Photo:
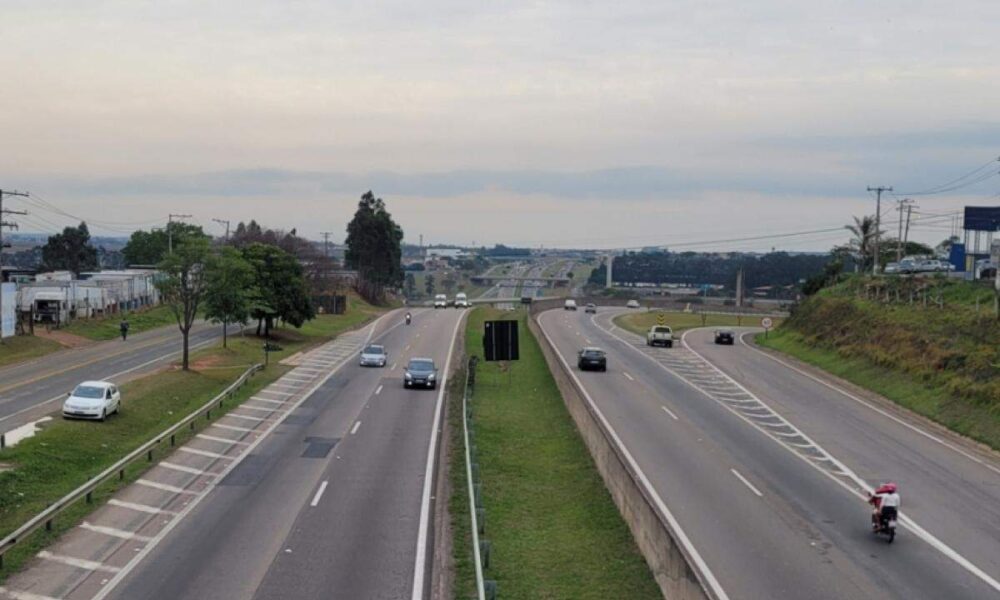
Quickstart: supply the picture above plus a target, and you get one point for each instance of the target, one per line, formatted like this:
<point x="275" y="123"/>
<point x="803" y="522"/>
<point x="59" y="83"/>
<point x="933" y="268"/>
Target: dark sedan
<point x="420" y="372"/>
<point x="592" y="359"/>
<point x="725" y="336"/>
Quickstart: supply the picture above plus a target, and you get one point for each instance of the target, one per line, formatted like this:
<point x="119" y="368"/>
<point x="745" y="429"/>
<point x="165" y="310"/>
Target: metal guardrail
<point x="86" y="490"/>
<point x="485" y="589"/>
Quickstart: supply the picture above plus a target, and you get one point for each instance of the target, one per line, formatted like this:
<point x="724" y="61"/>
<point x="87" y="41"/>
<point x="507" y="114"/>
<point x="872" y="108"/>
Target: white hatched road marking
<point x="378" y="390"/>
<point x="234" y="428"/>
<point x="222" y="440"/>
<point x="258" y="408"/>
<point x="143" y="508"/>
<point x="114" y="532"/>
<point x="244" y="417"/>
<point x="16" y="595"/>
<point x="166" y="488"/>
<point x="257" y="399"/>
<point x="670" y="412"/>
<point x="627" y="376"/>
<point x="355" y="428"/>
<point x="89" y="565"/>
<point x="276" y="392"/>
<point x="204" y="453"/>
<point x="181" y="468"/>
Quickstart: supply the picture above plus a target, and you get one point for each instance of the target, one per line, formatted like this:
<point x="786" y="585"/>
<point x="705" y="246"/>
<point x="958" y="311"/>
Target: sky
<point x="689" y="124"/>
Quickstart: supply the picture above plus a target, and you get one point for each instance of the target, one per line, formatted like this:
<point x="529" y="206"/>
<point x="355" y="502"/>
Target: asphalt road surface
<point x="29" y="390"/>
<point x="334" y="504"/>
<point x="762" y="468"/>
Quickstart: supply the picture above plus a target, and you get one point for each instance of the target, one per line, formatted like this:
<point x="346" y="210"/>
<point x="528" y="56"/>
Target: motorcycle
<point x="885" y="525"/>
<point x="408" y="319"/>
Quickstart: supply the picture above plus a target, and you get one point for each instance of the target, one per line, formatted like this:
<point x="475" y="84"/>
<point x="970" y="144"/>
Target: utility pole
<point x="170" y="231"/>
<point x="10" y="225"/>
<point x="903" y="204"/>
<point x="906" y="234"/>
<point x="220" y="222"/>
<point x="326" y="242"/>
<point x="878" y="220"/>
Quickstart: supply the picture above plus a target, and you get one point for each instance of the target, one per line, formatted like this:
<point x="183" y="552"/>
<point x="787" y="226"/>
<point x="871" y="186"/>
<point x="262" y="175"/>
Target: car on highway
<point x="461" y="300"/>
<point x="632" y="304"/>
<point x="420" y="372"/>
<point x="590" y="308"/>
<point x="526" y="299"/>
<point x="725" y="336"/>
<point x="592" y="359"/>
<point x="569" y="305"/>
<point x="93" y="400"/>
<point x="373" y="356"/>
<point x="660" y="335"/>
<point x="891" y="268"/>
<point x="440" y="301"/>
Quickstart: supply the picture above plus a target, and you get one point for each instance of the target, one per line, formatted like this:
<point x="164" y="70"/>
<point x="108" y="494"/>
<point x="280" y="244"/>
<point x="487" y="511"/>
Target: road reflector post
<point x="490" y="587"/>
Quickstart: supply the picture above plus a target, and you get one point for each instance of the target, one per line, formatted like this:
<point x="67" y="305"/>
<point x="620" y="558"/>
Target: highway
<point x="31" y="389"/>
<point x="334" y="503"/>
<point x="761" y="467"/>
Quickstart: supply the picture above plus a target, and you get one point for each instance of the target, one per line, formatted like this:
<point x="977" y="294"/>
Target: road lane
<point x="938" y="473"/>
<point x="258" y="534"/>
<point x="804" y="536"/>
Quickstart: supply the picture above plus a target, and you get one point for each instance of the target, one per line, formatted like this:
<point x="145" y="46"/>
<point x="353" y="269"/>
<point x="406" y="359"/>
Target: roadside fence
<point x="486" y="589"/>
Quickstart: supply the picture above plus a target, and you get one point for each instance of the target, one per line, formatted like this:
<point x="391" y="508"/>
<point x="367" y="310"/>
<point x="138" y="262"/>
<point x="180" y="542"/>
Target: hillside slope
<point x="927" y="345"/>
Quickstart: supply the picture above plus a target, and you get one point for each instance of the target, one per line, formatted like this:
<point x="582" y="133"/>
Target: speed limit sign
<point x="766" y="322"/>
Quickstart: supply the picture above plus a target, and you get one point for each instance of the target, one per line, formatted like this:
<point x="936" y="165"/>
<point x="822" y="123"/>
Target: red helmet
<point x="886" y="488"/>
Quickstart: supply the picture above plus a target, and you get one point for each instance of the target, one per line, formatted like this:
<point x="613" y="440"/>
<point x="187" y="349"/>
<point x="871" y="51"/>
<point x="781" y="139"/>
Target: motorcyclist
<point x="408" y="318"/>
<point x="886" y="503"/>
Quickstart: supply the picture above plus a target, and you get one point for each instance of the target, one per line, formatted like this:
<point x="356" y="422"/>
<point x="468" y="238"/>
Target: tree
<point x="281" y="291"/>
<point x="410" y="285"/>
<point x="70" y="251"/>
<point x="150" y="247"/>
<point x="182" y="283"/>
<point x="374" y="246"/>
<point x="229" y="289"/>
<point x="863" y="241"/>
<point x="429" y="284"/>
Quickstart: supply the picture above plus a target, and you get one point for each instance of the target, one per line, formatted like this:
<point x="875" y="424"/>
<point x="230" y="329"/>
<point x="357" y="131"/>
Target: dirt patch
<point x="67" y="340"/>
<point x="206" y="362"/>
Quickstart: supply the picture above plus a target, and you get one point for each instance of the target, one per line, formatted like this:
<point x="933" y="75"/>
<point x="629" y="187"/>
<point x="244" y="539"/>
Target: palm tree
<point x="863" y="242"/>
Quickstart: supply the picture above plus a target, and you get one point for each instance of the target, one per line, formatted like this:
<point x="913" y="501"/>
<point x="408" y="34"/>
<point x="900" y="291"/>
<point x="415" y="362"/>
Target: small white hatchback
<point x="93" y="400"/>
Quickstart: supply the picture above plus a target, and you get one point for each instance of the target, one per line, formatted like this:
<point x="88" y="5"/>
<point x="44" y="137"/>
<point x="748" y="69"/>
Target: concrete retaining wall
<point x="674" y="571"/>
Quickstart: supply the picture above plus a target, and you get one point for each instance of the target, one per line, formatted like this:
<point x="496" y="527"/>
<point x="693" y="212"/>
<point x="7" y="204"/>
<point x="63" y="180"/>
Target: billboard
<point x="982" y="218"/>
<point x="500" y="340"/>
<point x="8" y="305"/>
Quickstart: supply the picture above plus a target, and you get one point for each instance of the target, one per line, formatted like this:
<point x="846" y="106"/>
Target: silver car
<point x="373" y="356"/>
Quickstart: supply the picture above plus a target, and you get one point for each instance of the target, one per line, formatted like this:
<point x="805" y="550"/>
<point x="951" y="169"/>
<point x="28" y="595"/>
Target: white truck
<point x="461" y="300"/>
<point x="660" y="335"/>
<point x="440" y="301"/>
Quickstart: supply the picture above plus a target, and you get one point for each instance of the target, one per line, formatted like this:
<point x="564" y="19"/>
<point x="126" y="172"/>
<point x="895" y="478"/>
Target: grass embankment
<point x="65" y="454"/>
<point x="640" y="322"/>
<point x="20" y="348"/>
<point x="554" y="529"/>
<point x="942" y="362"/>
<point x="106" y="328"/>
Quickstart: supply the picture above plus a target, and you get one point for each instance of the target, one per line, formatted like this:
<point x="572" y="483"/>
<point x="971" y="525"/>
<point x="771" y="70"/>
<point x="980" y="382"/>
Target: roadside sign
<point x="766" y="322"/>
<point x="661" y="319"/>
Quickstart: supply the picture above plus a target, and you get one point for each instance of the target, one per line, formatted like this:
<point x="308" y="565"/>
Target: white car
<point x="373" y="356"/>
<point x="632" y="304"/>
<point x="461" y="300"/>
<point x="440" y="301"/>
<point x="569" y="305"/>
<point x="93" y="400"/>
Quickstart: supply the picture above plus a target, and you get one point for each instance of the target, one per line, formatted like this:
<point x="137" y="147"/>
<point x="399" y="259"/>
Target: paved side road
<point x="771" y="510"/>
<point x="31" y="389"/>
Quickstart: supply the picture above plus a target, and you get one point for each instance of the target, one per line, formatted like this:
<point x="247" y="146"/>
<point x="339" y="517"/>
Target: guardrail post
<point x="121" y="474"/>
<point x="484" y="553"/>
<point x="90" y="497"/>
<point x="490" y="587"/>
<point x="208" y="414"/>
<point x="173" y="439"/>
<point x="477" y="492"/>
<point x="48" y="525"/>
<point x="149" y="456"/>
<point x="481" y="519"/>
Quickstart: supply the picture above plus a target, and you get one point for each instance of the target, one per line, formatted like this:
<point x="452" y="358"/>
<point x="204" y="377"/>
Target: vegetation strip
<point x="554" y="529"/>
<point x="640" y="322"/>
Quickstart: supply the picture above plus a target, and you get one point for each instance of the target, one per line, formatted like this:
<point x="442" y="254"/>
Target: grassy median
<point x="640" y="322"/>
<point x="106" y="328"/>
<point x="554" y="529"/>
<point x="20" y="348"/>
<point x="65" y="454"/>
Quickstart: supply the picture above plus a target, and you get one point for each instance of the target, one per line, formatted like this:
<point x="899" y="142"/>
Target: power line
<point x="959" y="182"/>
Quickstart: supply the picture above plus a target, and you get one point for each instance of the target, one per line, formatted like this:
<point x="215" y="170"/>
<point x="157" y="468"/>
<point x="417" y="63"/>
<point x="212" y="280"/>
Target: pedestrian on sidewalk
<point x="123" y="327"/>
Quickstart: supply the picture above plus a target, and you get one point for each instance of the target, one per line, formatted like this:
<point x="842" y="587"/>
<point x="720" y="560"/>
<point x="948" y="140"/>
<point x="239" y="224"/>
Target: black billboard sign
<point x="500" y="340"/>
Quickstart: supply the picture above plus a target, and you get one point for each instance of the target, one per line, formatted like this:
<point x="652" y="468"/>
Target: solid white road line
<point x="669" y="412"/>
<point x="746" y="483"/>
<point x="319" y="493"/>
<point x="355" y="428"/>
<point x="420" y="562"/>
<point x="114" y="532"/>
<point x="143" y="508"/>
<point x="378" y="390"/>
<point x="89" y="565"/>
<point x="627" y="376"/>
<point x="181" y="468"/>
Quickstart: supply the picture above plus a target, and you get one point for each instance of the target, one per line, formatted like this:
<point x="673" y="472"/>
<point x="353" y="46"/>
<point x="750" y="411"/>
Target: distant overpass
<point x="492" y="278"/>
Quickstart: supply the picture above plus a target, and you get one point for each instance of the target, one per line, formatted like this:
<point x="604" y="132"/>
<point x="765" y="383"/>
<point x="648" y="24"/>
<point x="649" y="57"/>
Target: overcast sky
<point x="613" y="124"/>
